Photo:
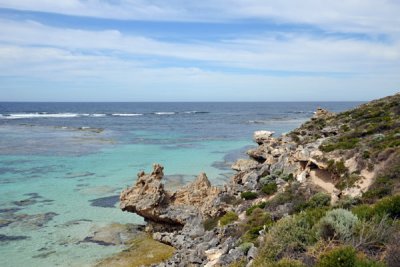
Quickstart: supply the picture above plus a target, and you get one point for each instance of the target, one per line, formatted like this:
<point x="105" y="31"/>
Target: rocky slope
<point x="288" y="188"/>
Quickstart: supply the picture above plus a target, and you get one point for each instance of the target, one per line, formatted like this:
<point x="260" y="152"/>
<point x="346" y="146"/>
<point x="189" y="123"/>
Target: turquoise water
<point x="62" y="166"/>
<point x="71" y="182"/>
<point x="66" y="185"/>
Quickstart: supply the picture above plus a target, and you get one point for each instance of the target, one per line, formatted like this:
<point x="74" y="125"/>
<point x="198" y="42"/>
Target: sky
<point x="209" y="50"/>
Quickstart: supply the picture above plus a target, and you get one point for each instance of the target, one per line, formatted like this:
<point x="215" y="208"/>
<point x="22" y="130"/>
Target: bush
<point x="249" y="195"/>
<point x="338" y="257"/>
<point x="245" y="247"/>
<point x="363" y="211"/>
<point x="372" y="234"/>
<point x="228" y="218"/>
<point x="389" y="206"/>
<point x="270" y="188"/>
<point x="343" y="143"/>
<point x="337" y="168"/>
<point x="312" y="216"/>
<point x="379" y="189"/>
<point x="319" y="200"/>
<point x="347" y="202"/>
<point x="338" y="224"/>
<point x="363" y="262"/>
<point x="288" y="177"/>
<point x="250" y="210"/>
<point x="255" y="223"/>
<point x="288" y="236"/>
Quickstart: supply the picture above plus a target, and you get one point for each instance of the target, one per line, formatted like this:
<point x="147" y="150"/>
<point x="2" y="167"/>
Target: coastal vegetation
<point x="326" y="194"/>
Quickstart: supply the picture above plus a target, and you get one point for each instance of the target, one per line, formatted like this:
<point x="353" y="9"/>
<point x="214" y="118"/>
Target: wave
<point x="195" y="112"/>
<point x="36" y="115"/>
<point x="300" y="112"/>
<point x="127" y="114"/>
<point x="276" y="119"/>
<point x="165" y="113"/>
<point x="39" y="115"/>
<point x="259" y="122"/>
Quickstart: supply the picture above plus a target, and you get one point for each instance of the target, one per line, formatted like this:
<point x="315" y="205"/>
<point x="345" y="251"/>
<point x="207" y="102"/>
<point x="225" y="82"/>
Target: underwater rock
<point x="8" y="238"/>
<point x="44" y="255"/>
<point x="105" y="202"/>
<point x="115" y="234"/>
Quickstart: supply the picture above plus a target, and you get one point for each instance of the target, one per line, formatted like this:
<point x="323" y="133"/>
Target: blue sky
<point x="220" y="50"/>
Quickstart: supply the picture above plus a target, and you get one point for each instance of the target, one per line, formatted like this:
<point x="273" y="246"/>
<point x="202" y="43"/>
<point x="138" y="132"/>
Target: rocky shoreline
<point x="209" y="226"/>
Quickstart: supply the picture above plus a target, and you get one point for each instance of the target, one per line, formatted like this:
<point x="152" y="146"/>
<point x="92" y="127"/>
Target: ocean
<point x="63" y="165"/>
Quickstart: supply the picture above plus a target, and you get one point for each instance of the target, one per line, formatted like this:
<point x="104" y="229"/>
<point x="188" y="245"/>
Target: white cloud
<point x="294" y="53"/>
<point x="371" y="16"/>
<point x="89" y="60"/>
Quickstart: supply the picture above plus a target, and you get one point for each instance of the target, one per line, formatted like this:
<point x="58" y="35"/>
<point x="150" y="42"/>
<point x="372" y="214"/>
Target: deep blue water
<point x="63" y="165"/>
<point x="193" y="120"/>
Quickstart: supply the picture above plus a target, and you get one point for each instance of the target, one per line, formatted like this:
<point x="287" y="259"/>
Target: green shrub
<point x="347" y="202"/>
<point x="293" y="194"/>
<point x="245" y="247"/>
<point x="379" y="189"/>
<point x="363" y="262"/>
<point x="338" y="257"/>
<point x="319" y="200"/>
<point x="291" y="234"/>
<point x="312" y="216"/>
<point x="250" y="210"/>
<point x="249" y="195"/>
<point x="338" y="224"/>
<point x="363" y="211"/>
<point x="348" y="181"/>
<point x="287" y="177"/>
<point x="255" y="223"/>
<point x="337" y="168"/>
<point x="389" y="206"/>
<point x="343" y="143"/>
<point x="228" y="218"/>
<point x="270" y="188"/>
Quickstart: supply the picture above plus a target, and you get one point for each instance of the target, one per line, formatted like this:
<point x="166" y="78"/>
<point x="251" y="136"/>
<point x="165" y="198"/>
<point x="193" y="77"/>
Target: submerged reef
<point x="325" y="194"/>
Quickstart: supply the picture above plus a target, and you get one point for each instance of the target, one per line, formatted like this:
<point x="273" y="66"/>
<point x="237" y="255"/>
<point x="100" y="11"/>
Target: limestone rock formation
<point x="322" y="113"/>
<point x="262" y="136"/>
<point x="149" y="199"/>
<point x="244" y="164"/>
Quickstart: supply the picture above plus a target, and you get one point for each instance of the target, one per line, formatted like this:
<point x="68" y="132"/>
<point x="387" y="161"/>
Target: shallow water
<point x="63" y="165"/>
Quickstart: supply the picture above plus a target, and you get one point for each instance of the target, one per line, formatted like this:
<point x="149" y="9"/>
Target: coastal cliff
<point x="330" y="186"/>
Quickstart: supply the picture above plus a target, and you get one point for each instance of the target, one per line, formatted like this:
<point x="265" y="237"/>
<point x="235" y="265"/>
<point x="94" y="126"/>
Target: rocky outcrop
<point x="322" y="114"/>
<point x="244" y="164"/>
<point x="149" y="199"/>
<point x="298" y="165"/>
<point x="261" y="137"/>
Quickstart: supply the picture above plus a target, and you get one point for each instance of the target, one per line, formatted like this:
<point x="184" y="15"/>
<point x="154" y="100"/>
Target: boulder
<point x="244" y="164"/>
<point x="262" y="136"/>
<point x="322" y="114"/>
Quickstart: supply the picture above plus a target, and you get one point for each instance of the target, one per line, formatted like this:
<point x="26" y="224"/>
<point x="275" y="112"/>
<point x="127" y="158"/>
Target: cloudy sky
<point x="209" y="50"/>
